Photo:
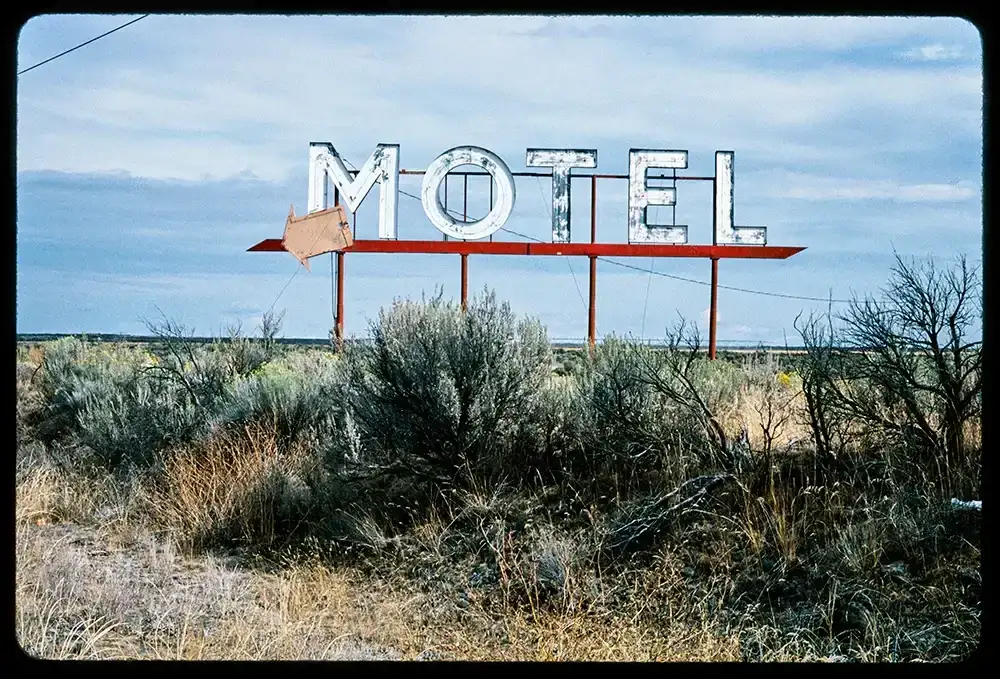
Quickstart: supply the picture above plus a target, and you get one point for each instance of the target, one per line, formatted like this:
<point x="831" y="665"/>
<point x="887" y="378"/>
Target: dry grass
<point x="28" y="399"/>
<point x="578" y="638"/>
<point x="78" y="598"/>
<point x="231" y="489"/>
<point x="772" y="404"/>
<point x="48" y="495"/>
<point x="116" y="565"/>
<point x="83" y="592"/>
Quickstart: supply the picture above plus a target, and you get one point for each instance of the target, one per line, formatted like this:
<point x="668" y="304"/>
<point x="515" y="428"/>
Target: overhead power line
<point x="728" y="287"/>
<point x="692" y="280"/>
<point x="82" y="44"/>
<point x="667" y="275"/>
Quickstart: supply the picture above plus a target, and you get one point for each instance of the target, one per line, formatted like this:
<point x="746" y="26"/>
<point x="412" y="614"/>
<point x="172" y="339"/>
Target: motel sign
<point x="383" y="167"/>
<point x="645" y="238"/>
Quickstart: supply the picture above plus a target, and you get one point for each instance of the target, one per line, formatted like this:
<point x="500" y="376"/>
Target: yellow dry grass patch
<point x="228" y="487"/>
<point x="789" y="421"/>
<point x="47" y="495"/>
<point x="578" y="638"/>
<point x="300" y="613"/>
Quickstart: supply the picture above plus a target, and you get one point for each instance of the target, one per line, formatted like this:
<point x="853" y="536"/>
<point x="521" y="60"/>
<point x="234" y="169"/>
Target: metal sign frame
<point x="645" y="240"/>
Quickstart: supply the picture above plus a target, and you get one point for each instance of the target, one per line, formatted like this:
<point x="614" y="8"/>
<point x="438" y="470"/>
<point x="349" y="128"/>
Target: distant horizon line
<point x="318" y="341"/>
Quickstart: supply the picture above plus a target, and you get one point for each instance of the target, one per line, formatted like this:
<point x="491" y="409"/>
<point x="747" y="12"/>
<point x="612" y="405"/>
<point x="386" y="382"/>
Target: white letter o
<point x="468" y="155"/>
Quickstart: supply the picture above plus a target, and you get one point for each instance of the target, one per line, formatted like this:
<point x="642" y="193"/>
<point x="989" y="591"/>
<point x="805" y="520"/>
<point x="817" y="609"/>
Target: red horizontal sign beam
<point x="459" y="247"/>
<point x="268" y="245"/>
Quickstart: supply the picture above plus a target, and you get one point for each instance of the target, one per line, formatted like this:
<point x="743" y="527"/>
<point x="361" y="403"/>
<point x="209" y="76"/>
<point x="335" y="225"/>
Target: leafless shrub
<point x="772" y="400"/>
<point x="649" y="520"/>
<point x="245" y="354"/>
<point x="907" y="368"/>
<point x="205" y="371"/>
<point x="673" y="373"/>
<point x="820" y="372"/>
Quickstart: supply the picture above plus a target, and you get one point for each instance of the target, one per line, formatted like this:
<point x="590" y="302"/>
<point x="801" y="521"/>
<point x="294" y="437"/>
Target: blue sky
<point x="150" y="160"/>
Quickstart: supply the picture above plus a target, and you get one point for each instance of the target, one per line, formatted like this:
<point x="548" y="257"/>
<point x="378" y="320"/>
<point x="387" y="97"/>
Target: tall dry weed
<point x="238" y="488"/>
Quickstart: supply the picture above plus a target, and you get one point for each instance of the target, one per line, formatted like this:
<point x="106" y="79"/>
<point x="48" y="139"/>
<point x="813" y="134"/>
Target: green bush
<point x="642" y="413"/>
<point x="298" y="395"/>
<point x="439" y="391"/>
<point x="133" y="409"/>
<point x="206" y="372"/>
<point x="626" y="422"/>
<point x="127" y="405"/>
<point x="243" y="355"/>
<point x="552" y="436"/>
<point x="72" y="372"/>
<point x="128" y="424"/>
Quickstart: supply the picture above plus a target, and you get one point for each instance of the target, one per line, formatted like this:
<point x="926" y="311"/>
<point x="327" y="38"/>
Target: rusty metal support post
<point x="465" y="282"/>
<point x="592" y="312"/>
<point x="712" y="312"/>
<point x="340" y="301"/>
<point x="338" y="318"/>
<point x="593" y="209"/>
<point x="465" y="257"/>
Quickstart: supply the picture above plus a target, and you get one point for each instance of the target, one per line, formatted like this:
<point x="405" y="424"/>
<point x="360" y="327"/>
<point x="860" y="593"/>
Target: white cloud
<point x="821" y="33"/>
<point x="936" y="52"/>
<point x="821" y="188"/>
<point x="924" y="193"/>
<point x="213" y="103"/>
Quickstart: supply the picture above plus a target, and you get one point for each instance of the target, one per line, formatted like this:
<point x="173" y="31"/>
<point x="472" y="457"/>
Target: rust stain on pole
<point x="712" y="310"/>
<point x="592" y="312"/>
<point x="338" y="321"/>
<point x="340" y="301"/>
<point x="465" y="282"/>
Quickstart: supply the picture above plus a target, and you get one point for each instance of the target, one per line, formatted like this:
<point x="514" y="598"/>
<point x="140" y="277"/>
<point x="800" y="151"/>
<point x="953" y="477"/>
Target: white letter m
<point x="382" y="167"/>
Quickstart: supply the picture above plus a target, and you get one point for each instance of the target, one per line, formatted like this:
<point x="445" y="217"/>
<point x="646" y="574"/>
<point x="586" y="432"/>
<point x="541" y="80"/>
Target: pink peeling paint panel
<point x="316" y="233"/>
